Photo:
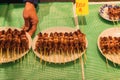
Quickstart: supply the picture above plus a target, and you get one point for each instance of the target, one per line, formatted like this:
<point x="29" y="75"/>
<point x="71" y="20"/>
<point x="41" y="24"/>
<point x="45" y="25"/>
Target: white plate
<point x="6" y="60"/>
<point x="57" y="58"/>
<point x="104" y="11"/>
<point x="114" y="32"/>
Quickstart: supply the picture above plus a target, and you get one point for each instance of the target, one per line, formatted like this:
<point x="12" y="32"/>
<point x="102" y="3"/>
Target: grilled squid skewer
<point x="55" y="39"/>
<point x="12" y="43"/>
<point x="110" y="46"/>
<point x="62" y="44"/>
<point x="8" y="42"/>
<point x="2" y="43"/>
<point x="24" y="42"/>
<point x="50" y="45"/>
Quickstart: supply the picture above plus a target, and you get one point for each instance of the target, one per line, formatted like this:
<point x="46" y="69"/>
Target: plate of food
<point x="59" y="44"/>
<point x="14" y="44"/>
<point x="109" y="44"/>
<point x="110" y="12"/>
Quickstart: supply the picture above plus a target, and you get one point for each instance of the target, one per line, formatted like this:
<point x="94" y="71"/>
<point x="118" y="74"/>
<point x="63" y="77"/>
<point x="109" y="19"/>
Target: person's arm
<point x="30" y="16"/>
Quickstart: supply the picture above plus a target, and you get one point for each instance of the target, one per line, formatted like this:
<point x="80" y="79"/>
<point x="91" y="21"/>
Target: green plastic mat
<point x="55" y="15"/>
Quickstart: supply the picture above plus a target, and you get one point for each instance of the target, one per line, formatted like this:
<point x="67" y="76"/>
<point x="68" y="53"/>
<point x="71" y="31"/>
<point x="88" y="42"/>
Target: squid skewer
<point x="75" y="42"/>
<point x="16" y="42"/>
<point x="71" y="40"/>
<point x="0" y="47"/>
<point x="1" y="56"/>
<point x="117" y="46"/>
<point x="110" y="46"/>
<point x="45" y="41"/>
<point x="114" y="48"/>
<point x="104" y="45"/>
<point x="8" y="42"/>
<point x="66" y="44"/>
<point x="24" y="42"/>
<point x="39" y="45"/>
<point x="62" y="46"/>
<point x="82" y="45"/>
<point x="50" y="45"/>
<point x="59" y="47"/>
<point x="2" y="42"/>
<point x="55" y="39"/>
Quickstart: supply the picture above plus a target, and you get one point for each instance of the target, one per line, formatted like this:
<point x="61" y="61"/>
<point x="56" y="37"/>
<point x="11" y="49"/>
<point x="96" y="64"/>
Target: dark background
<point x="73" y="0"/>
<point x="21" y="1"/>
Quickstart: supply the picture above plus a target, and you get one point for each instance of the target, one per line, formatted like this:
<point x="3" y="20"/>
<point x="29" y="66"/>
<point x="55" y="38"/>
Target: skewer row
<point x="59" y="43"/>
<point x="110" y="45"/>
<point x="114" y="13"/>
<point x="12" y="43"/>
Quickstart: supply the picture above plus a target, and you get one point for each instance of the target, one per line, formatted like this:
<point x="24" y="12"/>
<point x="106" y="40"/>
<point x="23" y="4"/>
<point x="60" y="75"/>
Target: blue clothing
<point x="19" y="1"/>
<point x="32" y="1"/>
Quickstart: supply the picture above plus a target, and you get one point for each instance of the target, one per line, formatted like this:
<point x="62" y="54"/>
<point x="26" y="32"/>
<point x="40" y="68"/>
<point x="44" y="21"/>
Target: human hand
<point x="30" y="18"/>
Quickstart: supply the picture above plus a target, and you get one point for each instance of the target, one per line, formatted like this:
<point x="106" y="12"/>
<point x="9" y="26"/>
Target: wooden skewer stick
<point x="28" y="58"/>
<point x="50" y="52"/>
<point x="107" y="62"/>
<point x="114" y="64"/>
<point x="1" y="56"/>
<point x="113" y="59"/>
<point x="117" y="23"/>
<point x="21" y="57"/>
<point x="78" y="52"/>
<point x="55" y="53"/>
<point x="111" y="56"/>
<point x="47" y="54"/>
<point x="113" y="21"/>
<point x="24" y="52"/>
<point x="82" y="67"/>
<point x="63" y="55"/>
<point x="18" y="53"/>
<point x="117" y="57"/>
<point x="35" y="59"/>
<point x="68" y="55"/>
<point x="85" y="57"/>
<point x="44" y="55"/>
<point x="71" y="54"/>
<point x="74" y="56"/>
<point x="7" y="54"/>
<point x="41" y="56"/>
<point x="14" y="55"/>
<point x="59" y="57"/>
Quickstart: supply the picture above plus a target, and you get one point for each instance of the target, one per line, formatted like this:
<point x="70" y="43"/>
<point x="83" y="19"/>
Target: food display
<point x="60" y="47"/>
<point x="110" y="12"/>
<point x="109" y="44"/>
<point x="14" y="43"/>
<point x="114" y="13"/>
